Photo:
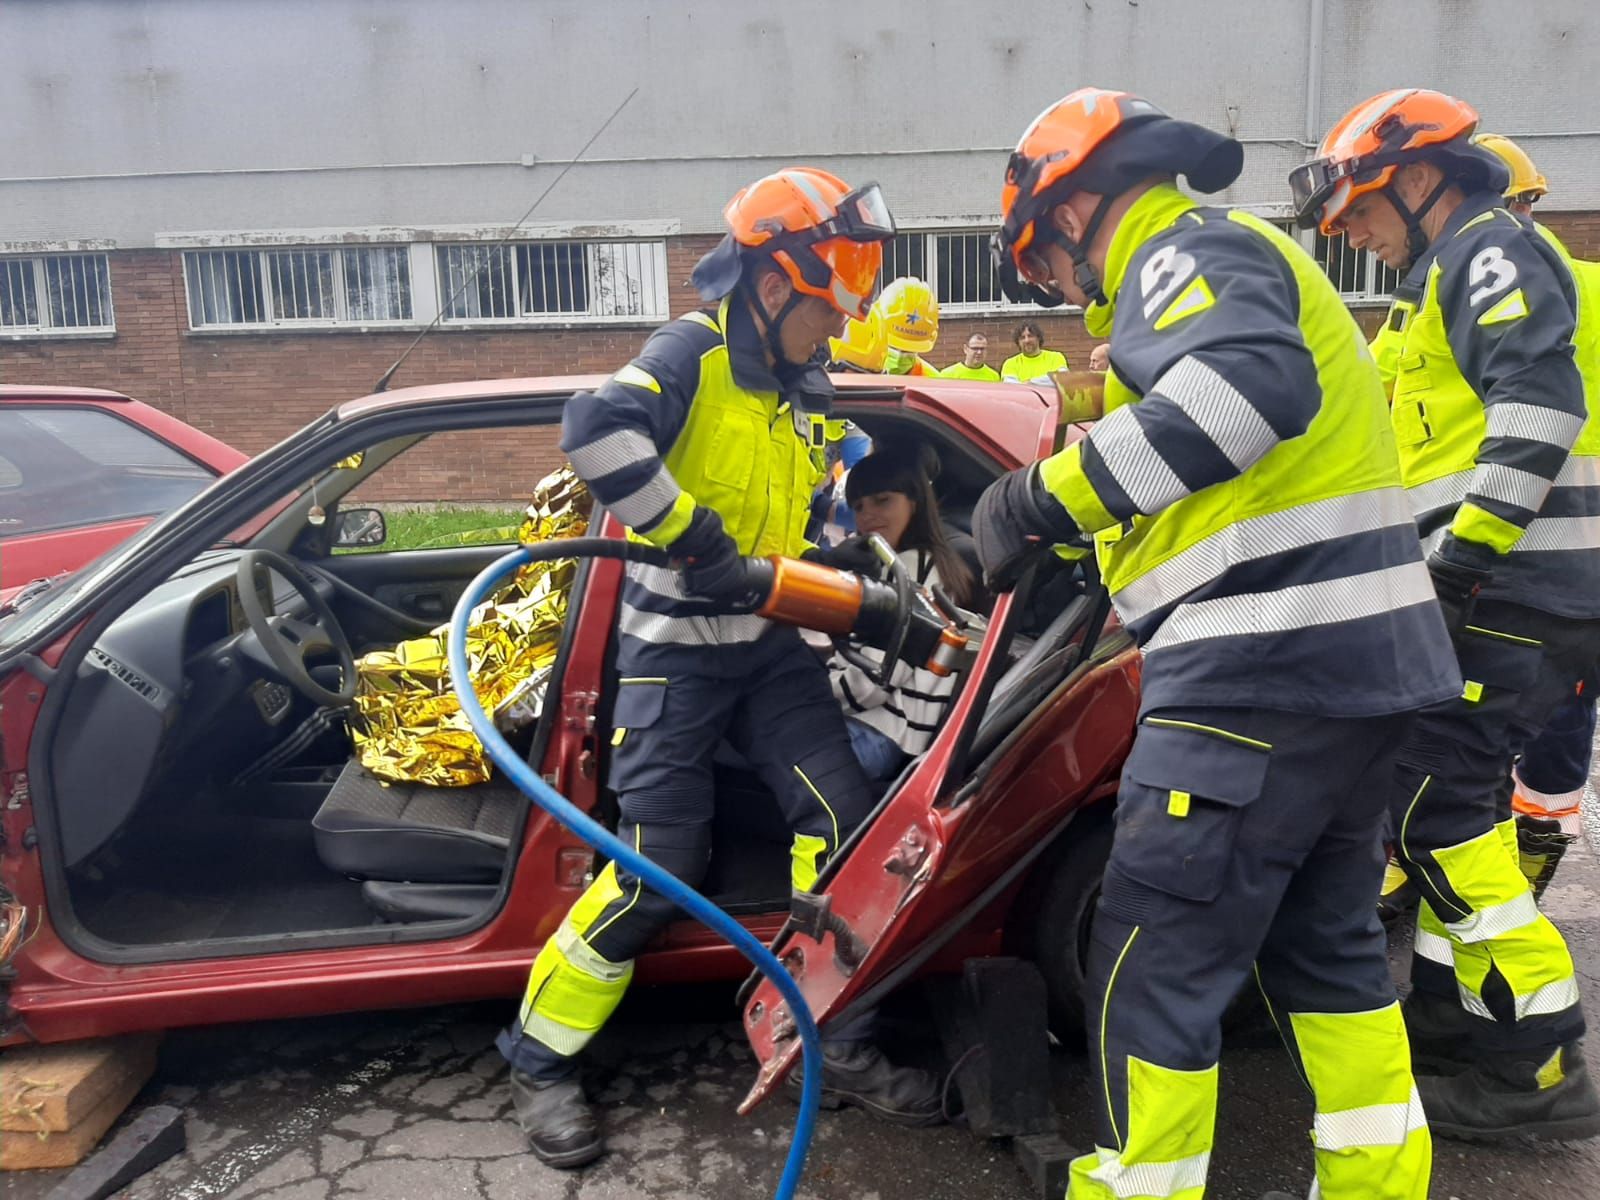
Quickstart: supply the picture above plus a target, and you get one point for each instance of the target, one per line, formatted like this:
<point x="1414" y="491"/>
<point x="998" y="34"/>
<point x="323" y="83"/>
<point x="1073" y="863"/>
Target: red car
<point x="82" y="469"/>
<point x="187" y="840"/>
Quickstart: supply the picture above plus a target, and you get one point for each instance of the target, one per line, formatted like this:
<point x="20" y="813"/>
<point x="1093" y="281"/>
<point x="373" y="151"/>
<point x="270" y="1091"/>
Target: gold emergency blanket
<point x="407" y="724"/>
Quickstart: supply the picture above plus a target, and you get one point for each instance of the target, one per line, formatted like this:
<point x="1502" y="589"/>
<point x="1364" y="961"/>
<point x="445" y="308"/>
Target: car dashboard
<point x="163" y="687"/>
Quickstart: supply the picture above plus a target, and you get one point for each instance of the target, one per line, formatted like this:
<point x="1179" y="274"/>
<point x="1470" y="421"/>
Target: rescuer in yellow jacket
<point x="1243" y="498"/>
<point x="710" y="444"/>
<point x="1501" y="462"/>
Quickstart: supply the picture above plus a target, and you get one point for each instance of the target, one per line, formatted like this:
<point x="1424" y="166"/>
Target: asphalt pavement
<point x="414" y="1106"/>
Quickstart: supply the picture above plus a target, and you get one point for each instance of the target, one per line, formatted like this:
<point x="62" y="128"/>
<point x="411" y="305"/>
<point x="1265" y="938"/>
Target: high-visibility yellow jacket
<point x="1243" y="487"/>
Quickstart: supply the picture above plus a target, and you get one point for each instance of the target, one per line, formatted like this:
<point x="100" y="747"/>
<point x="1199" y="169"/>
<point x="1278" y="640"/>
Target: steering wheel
<point x="280" y="643"/>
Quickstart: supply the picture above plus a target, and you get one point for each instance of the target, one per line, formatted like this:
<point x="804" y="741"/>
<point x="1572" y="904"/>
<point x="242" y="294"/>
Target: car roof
<point x="1009" y="412"/>
<point x="26" y="391"/>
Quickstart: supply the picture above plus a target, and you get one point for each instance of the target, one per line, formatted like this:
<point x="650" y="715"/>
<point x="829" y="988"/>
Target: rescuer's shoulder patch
<point x="1195" y="298"/>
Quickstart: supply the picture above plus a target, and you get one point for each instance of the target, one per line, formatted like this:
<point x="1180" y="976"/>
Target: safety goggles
<point x="1314" y="183"/>
<point x="862" y="216"/>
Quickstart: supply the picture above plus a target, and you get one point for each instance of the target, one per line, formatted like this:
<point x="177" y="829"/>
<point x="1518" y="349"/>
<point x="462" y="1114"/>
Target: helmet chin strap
<point x="774" y="326"/>
<point x="1084" y="275"/>
<point x="1416" y="239"/>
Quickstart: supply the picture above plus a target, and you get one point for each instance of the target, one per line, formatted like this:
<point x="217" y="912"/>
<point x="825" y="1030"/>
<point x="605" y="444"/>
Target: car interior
<point x="205" y="792"/>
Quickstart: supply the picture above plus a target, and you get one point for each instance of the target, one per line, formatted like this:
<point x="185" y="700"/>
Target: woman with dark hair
<point x="1032" y="363"/>
<point x="891" y="493"/>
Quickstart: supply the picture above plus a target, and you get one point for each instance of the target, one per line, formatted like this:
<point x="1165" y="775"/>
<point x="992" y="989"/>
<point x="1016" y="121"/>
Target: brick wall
<point x="252" y="390"/>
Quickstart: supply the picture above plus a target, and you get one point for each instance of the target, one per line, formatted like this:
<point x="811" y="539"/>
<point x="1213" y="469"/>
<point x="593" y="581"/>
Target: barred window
<point x="56" y="293"/>
<point x="523" y="281"/>
<point x="1358" y="274"/>
<point x="956" y="264"/>
<point x="356" y="285"/>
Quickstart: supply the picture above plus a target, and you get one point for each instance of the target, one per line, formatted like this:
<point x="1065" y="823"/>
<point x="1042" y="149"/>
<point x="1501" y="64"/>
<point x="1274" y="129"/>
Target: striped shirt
<point x="911" y="707"/>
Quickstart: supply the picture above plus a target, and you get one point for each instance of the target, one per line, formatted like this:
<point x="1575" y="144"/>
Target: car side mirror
<point x="355" y="528"/>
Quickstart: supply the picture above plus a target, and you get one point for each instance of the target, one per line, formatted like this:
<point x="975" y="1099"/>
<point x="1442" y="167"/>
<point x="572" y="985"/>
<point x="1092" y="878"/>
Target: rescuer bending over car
<point x="710" y="444"/>
<point x="1492" y="354"/>
<point x="1243" y="495"/>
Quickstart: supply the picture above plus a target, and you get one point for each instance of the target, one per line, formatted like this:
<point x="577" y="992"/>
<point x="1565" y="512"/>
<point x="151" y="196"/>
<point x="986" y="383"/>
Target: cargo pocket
<point x="1496" y="662"/>
<point x="1183" y="795"/>
<point x="1409" y="415"/>
<point x="639" y="705"/>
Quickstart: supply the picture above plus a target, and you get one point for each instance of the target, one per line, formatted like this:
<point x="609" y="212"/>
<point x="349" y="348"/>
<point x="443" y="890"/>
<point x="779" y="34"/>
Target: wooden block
<point x="31" y="1151"/>
<point x="52" y="1088"/>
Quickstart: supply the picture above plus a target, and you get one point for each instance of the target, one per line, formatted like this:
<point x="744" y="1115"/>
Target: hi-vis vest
<point x="752" y="456"/>
<point x="1441" y="426"/>
<point x="674" y="430"/>
<point x="1293" y="580"/>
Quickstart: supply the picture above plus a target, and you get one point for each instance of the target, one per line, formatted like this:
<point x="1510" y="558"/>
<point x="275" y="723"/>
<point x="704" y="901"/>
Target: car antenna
<point x="383" y="383"/>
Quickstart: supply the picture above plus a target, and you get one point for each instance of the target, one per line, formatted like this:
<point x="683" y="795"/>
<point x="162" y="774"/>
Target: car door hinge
<point x="580" y="710"/>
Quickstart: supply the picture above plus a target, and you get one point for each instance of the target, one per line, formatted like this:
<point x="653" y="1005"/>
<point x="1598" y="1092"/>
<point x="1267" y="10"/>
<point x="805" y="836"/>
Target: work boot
<point x="858" y="1074"/>
<point x="1540" y="844"/>
<point x="1541" y="1094"/>
<point x="1441" y="1032"/>
<point x="562" y="1129"/>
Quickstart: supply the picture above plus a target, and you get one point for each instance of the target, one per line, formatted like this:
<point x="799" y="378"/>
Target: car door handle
<point x="426" y="603"/>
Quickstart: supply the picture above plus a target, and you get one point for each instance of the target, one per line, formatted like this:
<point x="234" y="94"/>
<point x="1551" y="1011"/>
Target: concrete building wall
<point x="132" y="125"/>
<point x="127" y="118"/>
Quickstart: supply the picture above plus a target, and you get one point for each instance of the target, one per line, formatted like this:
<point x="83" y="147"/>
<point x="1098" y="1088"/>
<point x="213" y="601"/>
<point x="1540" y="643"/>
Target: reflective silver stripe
<point x="1560" y="533"/>
<point x="799" y="180"/>
<point x="1150" y="1179"/>
<point x="1297" y="607"/>
<point x="649" y="501"/>
<point x="1580" y="470"/>
<point x="1373" y="1125"/>
<point x="663" y="581"/>
<point x="1496" y="481"/>
<point x="618" y="449"/>
<point x="1258" y="537"/>
<point x="1134" y="463"/>
<point x="1552" y="998"/>
<point x="1434" y="947"/>
<point x="1218" y="408"/>
<point x="1488" y="923"/>
<point x="1439" y="493"/>
<point x="585" y="958"/>
<point x="661" y="629"/>
<point x="1472" y="1002"/>
<point x="1533" y="423"/>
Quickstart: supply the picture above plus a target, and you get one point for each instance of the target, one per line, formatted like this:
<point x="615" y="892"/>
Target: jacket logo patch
<point x="1513" y="308"/>
<point x="1491" y="273"/>
<point x="1195" y="298"/>
<point x="1163" y="273"/>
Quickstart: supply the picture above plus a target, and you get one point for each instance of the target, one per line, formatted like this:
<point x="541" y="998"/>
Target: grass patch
<point x="435" y="528"/>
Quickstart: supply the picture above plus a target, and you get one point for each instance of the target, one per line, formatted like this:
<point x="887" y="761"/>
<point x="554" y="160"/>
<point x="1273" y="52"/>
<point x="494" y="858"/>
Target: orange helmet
<point x="1361" y="153"/>
<point x="1098" y="141"/>
<point x="826" y="238"/>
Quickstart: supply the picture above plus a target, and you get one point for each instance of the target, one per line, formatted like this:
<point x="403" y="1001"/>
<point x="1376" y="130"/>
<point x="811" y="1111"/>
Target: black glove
<point x="1457" y="584"/>
<point x="853" y="554"/>
<point x="712" y="565"/>
<point x="1015" y="518"/>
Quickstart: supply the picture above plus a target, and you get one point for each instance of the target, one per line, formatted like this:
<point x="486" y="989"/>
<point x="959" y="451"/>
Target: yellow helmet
<point x="1527" y="185"/>
<point x="910" y="315"/>
<point x="864" y="344"/>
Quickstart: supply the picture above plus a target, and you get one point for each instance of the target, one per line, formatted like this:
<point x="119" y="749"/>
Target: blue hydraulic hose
<point x="607" y="843"/>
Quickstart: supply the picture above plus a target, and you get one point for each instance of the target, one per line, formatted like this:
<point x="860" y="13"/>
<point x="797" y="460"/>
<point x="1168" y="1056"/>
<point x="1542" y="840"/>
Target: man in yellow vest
<point x="710" y="444"/>
<point x="972" y="364"/>
<point x="1489" y="411"/>
<point x="1244" y="498"/>
<point x="1554" y="766"/>
<point x="1033" y="362"/>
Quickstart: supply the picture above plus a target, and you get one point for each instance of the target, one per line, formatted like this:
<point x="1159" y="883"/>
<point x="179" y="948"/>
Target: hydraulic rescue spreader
<point x="893" y="616"/>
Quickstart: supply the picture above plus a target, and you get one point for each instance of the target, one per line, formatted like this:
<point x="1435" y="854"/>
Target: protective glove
<point x="1015" y="518"/>
<point x="1457" y="585"/>
<point x="853" y="554"/>
<point x="712" y="566"/>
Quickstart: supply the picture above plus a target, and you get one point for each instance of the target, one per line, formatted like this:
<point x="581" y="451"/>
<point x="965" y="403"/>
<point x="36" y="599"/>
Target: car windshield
<point x="67" y="468"/>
